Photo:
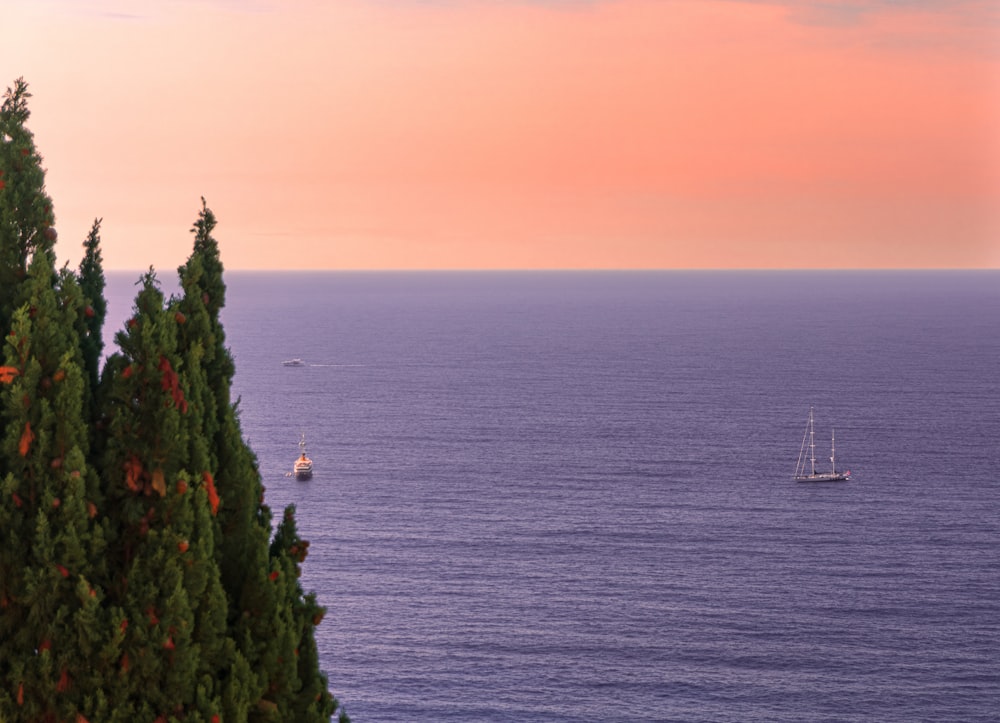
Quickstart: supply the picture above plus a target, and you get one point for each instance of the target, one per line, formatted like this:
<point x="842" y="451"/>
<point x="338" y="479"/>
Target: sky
<point x="519" y="134"/>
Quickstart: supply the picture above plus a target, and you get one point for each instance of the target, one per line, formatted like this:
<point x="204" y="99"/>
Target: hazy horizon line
<point x="665" y="269"/>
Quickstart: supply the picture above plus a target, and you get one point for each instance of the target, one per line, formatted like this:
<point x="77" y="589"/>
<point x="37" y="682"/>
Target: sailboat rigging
<point x="807" y="472"/>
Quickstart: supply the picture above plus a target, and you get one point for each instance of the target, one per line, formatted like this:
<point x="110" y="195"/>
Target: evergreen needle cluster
<point x="139" y="577"/>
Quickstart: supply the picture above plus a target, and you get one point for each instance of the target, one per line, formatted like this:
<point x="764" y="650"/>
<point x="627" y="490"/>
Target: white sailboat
<point x="802" y="474"/>
<point x="303" y="467"/>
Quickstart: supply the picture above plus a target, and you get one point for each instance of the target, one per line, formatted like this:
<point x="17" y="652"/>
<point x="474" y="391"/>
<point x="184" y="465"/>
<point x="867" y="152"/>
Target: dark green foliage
<point x="139" y="580"/>
<point x="91" y="323"/>
<point x="52" y="550"/>
<point x="26" y="218"/>
<point x="167" y="580"/>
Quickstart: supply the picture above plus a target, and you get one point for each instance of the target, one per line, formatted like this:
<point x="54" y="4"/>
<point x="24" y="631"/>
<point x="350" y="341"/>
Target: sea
<point x="569" y="496"/>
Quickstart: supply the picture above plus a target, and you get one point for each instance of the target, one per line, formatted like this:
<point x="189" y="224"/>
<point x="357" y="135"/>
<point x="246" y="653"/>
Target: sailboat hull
<point x="824" y="477"/>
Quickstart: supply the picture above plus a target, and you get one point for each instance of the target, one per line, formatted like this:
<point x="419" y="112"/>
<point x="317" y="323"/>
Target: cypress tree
<point x="259" y="609"/>
<point x="52" y="551"/>
<point x="50" y="546"/>
<point x="25" y="210"/>
<point x="167" y="580"/>
<point x="138" y="576"/>
<point x="91" y="323"/>
<point x="303" y="694"/>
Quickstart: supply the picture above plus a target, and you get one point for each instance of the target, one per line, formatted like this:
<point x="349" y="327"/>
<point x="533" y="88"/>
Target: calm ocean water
<point x="568" y="496"/>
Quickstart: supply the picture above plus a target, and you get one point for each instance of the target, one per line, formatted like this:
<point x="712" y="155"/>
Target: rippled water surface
<point x="568" y="496"/>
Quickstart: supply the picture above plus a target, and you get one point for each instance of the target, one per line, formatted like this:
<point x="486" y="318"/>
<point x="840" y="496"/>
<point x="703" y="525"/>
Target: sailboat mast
<point x="833" y="453"/>
<point x="812" y="443"/>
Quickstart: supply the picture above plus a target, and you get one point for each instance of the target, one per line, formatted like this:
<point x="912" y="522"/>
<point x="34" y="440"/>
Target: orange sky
<point x="405" y="134"/>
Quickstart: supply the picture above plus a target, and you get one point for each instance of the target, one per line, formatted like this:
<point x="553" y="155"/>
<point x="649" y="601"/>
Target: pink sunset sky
<point x="510" y="134"/>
